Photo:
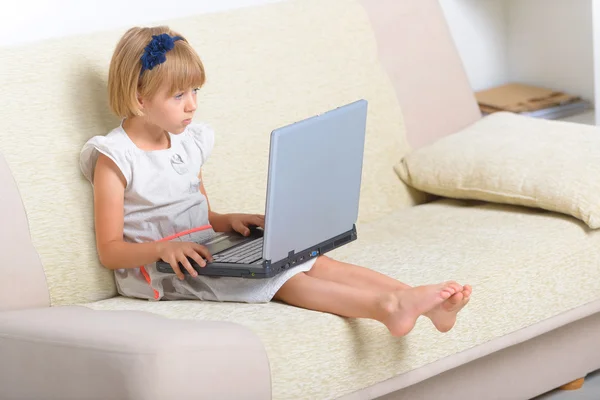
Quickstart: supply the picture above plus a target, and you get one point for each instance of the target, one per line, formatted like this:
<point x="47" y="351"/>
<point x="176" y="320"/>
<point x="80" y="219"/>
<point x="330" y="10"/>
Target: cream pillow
<point x="508" y="158"/>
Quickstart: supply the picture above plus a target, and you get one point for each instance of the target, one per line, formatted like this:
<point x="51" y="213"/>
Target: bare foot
<point x="444" y="315"/>
<point x="402" y="308"/>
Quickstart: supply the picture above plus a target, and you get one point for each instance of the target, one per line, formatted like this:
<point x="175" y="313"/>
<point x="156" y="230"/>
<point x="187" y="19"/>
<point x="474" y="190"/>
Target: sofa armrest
<point x="78" y="353"/>
<point x="22" y="278"/>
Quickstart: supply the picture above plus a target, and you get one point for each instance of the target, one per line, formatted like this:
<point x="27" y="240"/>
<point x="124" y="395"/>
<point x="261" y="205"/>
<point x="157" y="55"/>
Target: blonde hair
<point x="182" y="70"/>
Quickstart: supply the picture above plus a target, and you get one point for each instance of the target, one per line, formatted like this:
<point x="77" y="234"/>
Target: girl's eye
<point x="196" y="90"/>
<point x="179" y="96"/>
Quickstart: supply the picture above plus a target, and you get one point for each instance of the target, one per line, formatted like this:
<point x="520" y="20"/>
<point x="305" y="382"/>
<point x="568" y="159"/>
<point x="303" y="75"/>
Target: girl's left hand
<point x="242" y="223"/>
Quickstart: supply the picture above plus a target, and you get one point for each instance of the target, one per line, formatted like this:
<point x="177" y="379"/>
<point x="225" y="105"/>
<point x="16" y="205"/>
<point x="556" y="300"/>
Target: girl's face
<point x="171" y="113"/>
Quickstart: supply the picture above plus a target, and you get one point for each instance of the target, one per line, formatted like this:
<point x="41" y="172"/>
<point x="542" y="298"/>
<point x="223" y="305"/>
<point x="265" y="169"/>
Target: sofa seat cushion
<point x="526" y="266"/>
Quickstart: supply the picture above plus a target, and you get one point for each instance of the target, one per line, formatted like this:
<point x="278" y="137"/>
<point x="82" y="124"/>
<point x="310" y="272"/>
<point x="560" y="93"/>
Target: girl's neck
<point x="146" y="135"/>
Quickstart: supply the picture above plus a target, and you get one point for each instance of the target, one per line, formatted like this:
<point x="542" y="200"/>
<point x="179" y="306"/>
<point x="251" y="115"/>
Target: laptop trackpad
<point x="224" y="241"/>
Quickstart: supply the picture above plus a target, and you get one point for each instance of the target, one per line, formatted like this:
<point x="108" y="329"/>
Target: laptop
<point x="312" y="200"/>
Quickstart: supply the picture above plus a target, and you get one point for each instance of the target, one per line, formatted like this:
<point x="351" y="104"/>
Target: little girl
<point x="150" y="203"/>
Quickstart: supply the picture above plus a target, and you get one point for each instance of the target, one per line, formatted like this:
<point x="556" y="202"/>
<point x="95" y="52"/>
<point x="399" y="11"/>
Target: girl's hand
<point x="242" y="223"/>
<point x="178" y="252"/>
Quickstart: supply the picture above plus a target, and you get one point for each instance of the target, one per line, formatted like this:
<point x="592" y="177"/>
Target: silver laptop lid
<point x="313" y="188"/>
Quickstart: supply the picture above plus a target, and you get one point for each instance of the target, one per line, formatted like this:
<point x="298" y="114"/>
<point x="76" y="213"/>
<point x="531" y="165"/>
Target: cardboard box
<point x="517" y="97"/>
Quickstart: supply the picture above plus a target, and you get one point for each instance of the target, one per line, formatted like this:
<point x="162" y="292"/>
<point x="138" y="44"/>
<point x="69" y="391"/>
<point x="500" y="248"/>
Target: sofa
<point x="532" y="324"/>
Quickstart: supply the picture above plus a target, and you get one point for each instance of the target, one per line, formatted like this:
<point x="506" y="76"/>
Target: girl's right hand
<point x="178" y="252"/>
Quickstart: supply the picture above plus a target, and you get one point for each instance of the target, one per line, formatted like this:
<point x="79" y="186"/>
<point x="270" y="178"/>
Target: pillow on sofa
<point x="512" y="159"/>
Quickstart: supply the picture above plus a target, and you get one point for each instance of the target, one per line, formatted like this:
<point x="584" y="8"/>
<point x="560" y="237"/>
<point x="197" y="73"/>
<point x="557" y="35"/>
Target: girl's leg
<point x="443" y="316"/>
<point x="353" y="275"/>
<point x="398" y="310"/>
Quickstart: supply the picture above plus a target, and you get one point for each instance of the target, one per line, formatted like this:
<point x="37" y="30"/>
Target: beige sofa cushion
<point x="507" y="158"/>
<point x="525" y="265"/>
<point x="266" y="66"/>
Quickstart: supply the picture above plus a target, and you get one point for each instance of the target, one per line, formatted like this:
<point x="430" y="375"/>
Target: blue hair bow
<point x="154" y="53"/>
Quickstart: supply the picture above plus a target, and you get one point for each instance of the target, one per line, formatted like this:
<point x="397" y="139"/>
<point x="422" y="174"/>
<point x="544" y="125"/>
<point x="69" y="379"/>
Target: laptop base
<point x="264" y="268"/>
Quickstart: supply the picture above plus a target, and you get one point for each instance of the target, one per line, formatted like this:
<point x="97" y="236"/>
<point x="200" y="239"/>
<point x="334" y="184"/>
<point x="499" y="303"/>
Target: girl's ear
<point x="140" y="100"/>
<point x="140" y="105"/>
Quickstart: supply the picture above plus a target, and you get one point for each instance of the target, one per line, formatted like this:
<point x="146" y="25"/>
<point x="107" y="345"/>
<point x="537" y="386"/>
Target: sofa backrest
<point x="266" y="66"/>
<point x="421" y="59"/>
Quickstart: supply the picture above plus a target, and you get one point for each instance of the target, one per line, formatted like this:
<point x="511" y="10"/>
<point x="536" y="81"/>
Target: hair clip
<point x="155" y="52"/>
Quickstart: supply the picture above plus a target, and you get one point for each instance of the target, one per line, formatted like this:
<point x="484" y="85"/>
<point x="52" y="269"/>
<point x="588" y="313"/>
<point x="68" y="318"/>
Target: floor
<point x="589" y="391"/>
<point x="591" y="387"/>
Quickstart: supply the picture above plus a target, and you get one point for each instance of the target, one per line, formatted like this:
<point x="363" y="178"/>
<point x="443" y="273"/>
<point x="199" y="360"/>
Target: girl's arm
<point x="219" y="222"/>
<point x="113" y="251"/>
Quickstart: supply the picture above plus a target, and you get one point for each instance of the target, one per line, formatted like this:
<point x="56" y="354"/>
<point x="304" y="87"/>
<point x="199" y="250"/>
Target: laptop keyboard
<point x="247" y="253"/>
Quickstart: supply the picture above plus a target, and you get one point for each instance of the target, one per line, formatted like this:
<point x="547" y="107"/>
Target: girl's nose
<point x="190" y="105"/>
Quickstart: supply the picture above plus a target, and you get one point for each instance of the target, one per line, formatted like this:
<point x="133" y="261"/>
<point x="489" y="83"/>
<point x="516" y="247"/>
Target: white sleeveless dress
<point x="163" y="202"/>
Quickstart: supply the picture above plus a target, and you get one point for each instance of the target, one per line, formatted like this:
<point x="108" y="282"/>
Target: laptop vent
<point x="327" y="247"/>
<point x="342" y="240"/>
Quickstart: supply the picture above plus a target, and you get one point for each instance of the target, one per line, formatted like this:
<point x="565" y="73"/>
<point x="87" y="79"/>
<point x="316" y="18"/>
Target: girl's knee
<point x="320" y="263"/>
<point x="289" y="287"/>
<point x="294" y="280"/>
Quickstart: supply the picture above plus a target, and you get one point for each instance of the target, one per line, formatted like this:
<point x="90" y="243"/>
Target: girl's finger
<point x="259" y="221"/>
<point x="186" y="264"/>
<point x="175" y="266"/>
<point x="203" y="251"/>
<point x="196" y="257"/>
<point x="240" y="227"/>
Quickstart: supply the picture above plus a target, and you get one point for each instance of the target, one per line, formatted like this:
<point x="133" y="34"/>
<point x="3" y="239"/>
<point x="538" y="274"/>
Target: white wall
<point x="479" y="29"/>
<point x="596" y="42"/>
<point x="550" y="43"/>
<point x="31" y="20"/>
<point x="541" y="42"/>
